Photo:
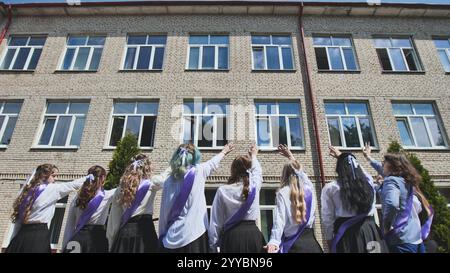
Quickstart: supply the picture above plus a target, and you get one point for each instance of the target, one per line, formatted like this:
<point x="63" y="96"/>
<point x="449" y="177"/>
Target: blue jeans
<point x="407" y="248"/>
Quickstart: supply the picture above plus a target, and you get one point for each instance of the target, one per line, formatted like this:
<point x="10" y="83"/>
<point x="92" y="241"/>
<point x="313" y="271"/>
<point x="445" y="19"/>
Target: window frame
<point x="138" y="48"/>
<point x="197" y="122"/>
<point x="200" y="53"/>
<point x="424" y="117"/>
<point x="30" y="54"/>
<point x="344" y="62"/>
<point x="6" y="120"/>
<point x="111" y="123"/>
<point x="358" y="125"/>
<point x="269" y="116"/>
<point x="75" y="54"/>
<point x="280" y="54"/>
<point x="445" y="49"/>
<point x="57" y="117"/>
<point x="416" y="57"/>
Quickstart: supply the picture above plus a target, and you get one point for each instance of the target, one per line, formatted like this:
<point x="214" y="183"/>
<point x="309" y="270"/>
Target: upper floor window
<point x="144" y="52"/>
<point x="334" y="53"/>
<point x="443" y="47"/>
<point x="397" y="54"/>
<point x="63" y="124"/>
<point x="278" y="122"/>
<point x="419" y="125"/>
<point x="83" y="53"/>
<point x="9" y="112"/>
<point x="22" y="52"/>
<point x="349" y="124"/>
<point x="205" y="123"/>
<point x="135" y="117"/>
<point x="272" y="52"/>
<point x="208" y="52"/>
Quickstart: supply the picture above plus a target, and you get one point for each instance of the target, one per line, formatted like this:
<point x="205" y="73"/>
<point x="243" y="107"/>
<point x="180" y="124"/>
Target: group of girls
<point x="121" y="220"/>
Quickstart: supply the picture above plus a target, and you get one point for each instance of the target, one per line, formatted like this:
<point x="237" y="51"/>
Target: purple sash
<point x="426" y="228"/>
<point x="242" y="211"/>
<point x="29" y="198"/>
<point x="180" y="200"/>
<point x="89" y="210"/>
<point x="144" y="186"/>
<point x="287" y="242"/>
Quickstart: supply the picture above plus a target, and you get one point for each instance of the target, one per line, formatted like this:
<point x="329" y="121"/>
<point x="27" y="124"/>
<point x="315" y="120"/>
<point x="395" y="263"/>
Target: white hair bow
<point x="90" y="177"/>
<point x="354" y="164"/>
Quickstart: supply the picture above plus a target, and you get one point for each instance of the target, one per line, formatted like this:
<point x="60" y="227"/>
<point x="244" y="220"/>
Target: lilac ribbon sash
<point x="140" y="194"/>
<point x="29" y="198"/>
<point x="287" y="242"/>
<point x="180" y="200"/>
<point x="242" y="211"/>
<point x="89" y="210"/>
<point x="426" y="228"/>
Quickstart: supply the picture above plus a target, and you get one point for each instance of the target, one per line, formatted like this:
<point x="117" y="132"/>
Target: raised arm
<point x="256" y="170"/>
<point x="367" y="152"/>
<point x="158" y="180"/>
<point x="65" y="188"/>
<point x="205" y="169"/>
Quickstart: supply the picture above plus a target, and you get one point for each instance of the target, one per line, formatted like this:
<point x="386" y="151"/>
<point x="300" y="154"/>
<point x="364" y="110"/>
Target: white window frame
<point x="57" y="117"/>
<point x="197" y="123"/>
<point x="412" y="47"/>
<point x="6" y="120"/>
<point x="358" y="125"/>
<point x="407" y="118"/>
<point x="280" y="52"/>
<point x="446" y="50"/>
<point x="138" y="48"/>
<point x="111" y="123"/>
<point x="269" y="116"/>
<point x="341" y="49"/>
<point x="75" y="54"/>
<point x="216" y="53"/>
<point x="30" y="54"/>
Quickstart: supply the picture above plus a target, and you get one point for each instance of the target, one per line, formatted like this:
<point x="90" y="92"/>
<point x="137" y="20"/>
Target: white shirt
<point x="193" y="221"/>
<point x="333" y="208"/>
<point x="284" y="220"/>
<point x="228" y="200"/>
<point x="43" y="208"/>
<point x="145" y="207"/>
<point x="98" y="217"/>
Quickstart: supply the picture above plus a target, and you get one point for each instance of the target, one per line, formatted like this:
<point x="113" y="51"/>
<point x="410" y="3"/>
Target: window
<point x="9" y="112"/>
<point x="349" y="124"/>
<point x="208" y="52"/>
<point x="419" y="125"/>
<point x="267" y="211"/>
<point x="22" y="52"/>
<point x="144" y="52"/>
<point x="443" y="47"/>
<point x="83" y="53"/>
<point x="278" y="122"/>
<point x="57" y="221"/>
<point x="272" y="52"/>
<point x="335" y="53"/>
<point x="135" y="117"/>
<point x="63" y="124"/>
<point x="397" y="54"/>
<point x="205" y="123"/>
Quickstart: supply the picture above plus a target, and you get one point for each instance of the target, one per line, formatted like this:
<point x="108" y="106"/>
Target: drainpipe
<point x="8" y="23"/>
<point x="312" y="99"/>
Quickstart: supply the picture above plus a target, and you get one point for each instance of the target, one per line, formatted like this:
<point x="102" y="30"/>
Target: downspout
<point x="312" y="99"/>
<point x="8" y="23"/>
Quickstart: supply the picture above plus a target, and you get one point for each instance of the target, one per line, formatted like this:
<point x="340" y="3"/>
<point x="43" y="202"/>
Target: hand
<point x="228" y="148"/>
<point x="334" y="152"/>
<point x="379" y="180"/>
<point x="253" y="150"/>
<point x="271" y="248"/>
<point x="367" y="150"/>
<point x="284" y="151"/>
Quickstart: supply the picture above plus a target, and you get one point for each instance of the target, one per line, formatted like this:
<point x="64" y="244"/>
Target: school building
<point x="75" y="77"/>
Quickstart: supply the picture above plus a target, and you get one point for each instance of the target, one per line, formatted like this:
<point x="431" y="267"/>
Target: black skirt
<point x="31" y="238"/>
<point x="306" y="243"/>
<point x="245" y="237"/>
<point x="199" y="245"/>
<point x="92" y="239"/>
<point x="356" y="238"/>
<point x="138" y="235"/>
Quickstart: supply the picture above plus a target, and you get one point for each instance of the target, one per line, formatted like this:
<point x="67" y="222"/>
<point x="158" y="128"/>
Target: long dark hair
<point x="356" y="192"/>
<point x="239" y="169"/>
<point x="90" y="188"/>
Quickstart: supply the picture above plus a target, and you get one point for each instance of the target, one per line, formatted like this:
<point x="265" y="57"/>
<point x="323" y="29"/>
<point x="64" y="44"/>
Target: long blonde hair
<point x="139" y="169"/>
<point x="41" y="174"/>
<point x="297" y="195"/>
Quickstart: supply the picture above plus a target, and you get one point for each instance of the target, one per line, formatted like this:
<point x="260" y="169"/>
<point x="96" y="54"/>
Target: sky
<point x="361" y="1"/>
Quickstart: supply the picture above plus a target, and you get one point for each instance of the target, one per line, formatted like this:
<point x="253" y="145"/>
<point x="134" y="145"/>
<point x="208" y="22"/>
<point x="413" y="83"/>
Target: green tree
<point x="127" y="147"/>
<point x="440" y="229"/>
